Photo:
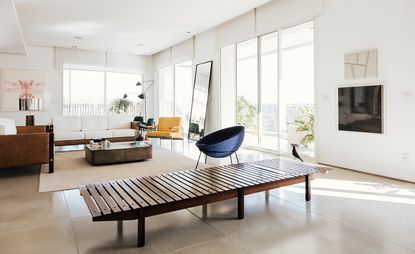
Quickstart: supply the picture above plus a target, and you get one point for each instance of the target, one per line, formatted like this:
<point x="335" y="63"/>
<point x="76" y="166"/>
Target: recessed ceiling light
<point x="188" y="32"/>
<point x="140" y="44"/>
<point x="74" y="47"/>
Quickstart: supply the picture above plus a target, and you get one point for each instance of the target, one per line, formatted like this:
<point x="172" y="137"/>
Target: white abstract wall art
<point x="361" y="65"/>
<point x="16" y="85"/>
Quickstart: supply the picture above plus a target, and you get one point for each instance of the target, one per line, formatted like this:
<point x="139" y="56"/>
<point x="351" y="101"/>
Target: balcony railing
<point x="84" y="109"/>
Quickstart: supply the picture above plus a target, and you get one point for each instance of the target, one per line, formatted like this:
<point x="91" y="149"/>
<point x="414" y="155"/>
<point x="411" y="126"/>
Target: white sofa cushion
<point x="119" y="121"/>
<point x="93" y="123"/>
<point x="7" y="126"/>
<point x="117" y="133"/>
<point x="69" y="135"/>
<point x="67" y="123"/>
<point x="98" y="134"/>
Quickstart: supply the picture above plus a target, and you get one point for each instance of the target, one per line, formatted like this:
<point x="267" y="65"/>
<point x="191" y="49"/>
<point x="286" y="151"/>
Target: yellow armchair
<point x="169" y="128"/>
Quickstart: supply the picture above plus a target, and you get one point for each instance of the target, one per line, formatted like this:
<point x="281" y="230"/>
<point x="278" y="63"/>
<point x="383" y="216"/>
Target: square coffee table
<point x="118" y="152"/>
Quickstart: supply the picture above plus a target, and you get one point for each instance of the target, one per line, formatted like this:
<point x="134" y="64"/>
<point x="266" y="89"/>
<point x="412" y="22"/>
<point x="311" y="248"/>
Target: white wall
<point x="45" y="58"/>
<point x="354" y="25"/>
<point x="37" y="58"/>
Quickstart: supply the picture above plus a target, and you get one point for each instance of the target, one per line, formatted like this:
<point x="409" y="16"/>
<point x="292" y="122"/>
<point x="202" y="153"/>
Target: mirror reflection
<point x="200" y="100"/>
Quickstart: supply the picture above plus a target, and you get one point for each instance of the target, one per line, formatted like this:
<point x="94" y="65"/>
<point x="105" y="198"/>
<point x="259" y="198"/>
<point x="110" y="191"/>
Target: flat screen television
<point x="361" y="108"/>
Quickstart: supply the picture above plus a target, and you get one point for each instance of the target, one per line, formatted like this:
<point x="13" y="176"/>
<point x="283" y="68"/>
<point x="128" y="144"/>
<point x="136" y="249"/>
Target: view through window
<point x="175" y="91"/>
<point x="88" y="92"/>
<point x="274" y="86"/>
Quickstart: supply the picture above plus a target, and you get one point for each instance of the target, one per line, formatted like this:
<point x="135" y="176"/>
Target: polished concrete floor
<point x="350" y="212"/>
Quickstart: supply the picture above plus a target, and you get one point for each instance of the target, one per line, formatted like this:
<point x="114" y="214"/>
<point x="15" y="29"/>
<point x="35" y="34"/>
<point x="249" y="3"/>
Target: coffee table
<point x="118" y="152"/>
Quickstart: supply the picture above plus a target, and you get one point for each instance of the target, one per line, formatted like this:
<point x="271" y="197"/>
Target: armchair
<point x="168" y="128"/>
<point x="26" y="146"/>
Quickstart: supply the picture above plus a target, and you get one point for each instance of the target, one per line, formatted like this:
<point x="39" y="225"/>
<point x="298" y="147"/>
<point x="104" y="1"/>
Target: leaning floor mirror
<point x="200" y="100"/>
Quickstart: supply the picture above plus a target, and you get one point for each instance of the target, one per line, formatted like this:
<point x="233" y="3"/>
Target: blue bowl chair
<point x="221" y="143"/>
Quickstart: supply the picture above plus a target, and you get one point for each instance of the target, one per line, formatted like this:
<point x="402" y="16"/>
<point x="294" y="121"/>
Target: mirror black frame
<point x="207" y="101"/>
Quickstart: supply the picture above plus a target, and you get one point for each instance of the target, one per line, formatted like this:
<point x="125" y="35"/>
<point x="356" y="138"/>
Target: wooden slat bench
<point x="138" y="198"/>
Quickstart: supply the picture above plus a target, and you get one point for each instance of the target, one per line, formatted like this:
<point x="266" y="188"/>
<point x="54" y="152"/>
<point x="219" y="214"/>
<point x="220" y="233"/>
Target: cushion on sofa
<point x="69" y="135"/>
<point x="98" y="134"/>
<point x="93" y="123"/>
<point x="116" y="133"/>
<point x="119" y="122"/>
<point x="67" y="123"/>
<point x="7" y="126"/>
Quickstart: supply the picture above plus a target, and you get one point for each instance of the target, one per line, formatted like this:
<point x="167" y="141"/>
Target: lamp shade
<point x="141" y="96"/>
<point x="138" y="83"/>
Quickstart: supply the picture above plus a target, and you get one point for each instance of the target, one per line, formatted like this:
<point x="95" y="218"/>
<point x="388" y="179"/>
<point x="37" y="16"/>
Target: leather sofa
<point x="25" y="145"/>
<point x="75" y="130"/>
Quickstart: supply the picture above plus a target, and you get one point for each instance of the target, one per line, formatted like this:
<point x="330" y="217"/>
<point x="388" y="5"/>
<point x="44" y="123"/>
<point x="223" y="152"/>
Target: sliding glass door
<point x="268" y="131"/>
<point x="297" y="81"/>
<point x="247" y="90"/>
<point x="166" y="92"/>
<point x="274" y="86"/>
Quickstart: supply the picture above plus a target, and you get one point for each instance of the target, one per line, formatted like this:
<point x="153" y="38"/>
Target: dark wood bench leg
<point x="307" y="188"/>
<point x="119" y="229"/>
<point x="51" y="152"/>
<point x="141" y="229"/>
<point x="241" y="205"/>
<point x="204" y="211"/>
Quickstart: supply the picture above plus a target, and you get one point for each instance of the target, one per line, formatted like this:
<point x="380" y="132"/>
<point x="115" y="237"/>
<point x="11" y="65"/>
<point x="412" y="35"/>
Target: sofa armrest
<point x="25" y="149"/>
<point x="31" y="129"/>
<point x="134" y="125"/>
<point x="34" y="129"/>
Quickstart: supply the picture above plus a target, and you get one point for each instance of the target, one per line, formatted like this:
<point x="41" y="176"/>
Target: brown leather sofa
<point x="32" y="145"/>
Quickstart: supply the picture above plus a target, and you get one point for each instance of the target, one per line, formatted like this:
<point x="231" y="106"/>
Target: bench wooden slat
<point x="162" y="188"/>
<point x="221" y="178"/>
<point x="264" y="171"/>
<point x="110" y="202"/>
<point x="235" y="176"/>
<point x="125" y="196"/>
<point x="192" y="184"/>
<point x="135" y="193"/>
<point x="92" y="207"/>
<point x="267" y="175"/>
<point x="209" y="181"/>
<point x="191" y="179"/>
<point x="171" y="188"/>
<point x="286" y="167"/>
<point x="281" y="173"/>
<point x="254" y="178"/>
<point x="144" y="192"/>
<point x="209" y="177"/>
<point x="193" y="189"/>
<point x="255" y="174"/>
<point x="121" y="203"/>
<point x="98" y="199"/>
<point x="159" y="193"/>
<point x="176" y="186"/>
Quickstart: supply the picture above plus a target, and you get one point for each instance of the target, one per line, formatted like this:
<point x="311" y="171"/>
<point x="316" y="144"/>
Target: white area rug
<point x="72" y="169"/>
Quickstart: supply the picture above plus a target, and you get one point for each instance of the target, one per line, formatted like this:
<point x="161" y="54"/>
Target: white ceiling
<point x="11" y="39"/>
<point x="121" y="25"/>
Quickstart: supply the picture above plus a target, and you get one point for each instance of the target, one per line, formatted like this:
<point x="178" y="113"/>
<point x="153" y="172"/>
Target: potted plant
<point x="120" y="105"/>
<point x="305" y="124"/>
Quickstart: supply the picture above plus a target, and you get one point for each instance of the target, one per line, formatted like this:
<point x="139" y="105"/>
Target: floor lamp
<point x="142" y="95"/>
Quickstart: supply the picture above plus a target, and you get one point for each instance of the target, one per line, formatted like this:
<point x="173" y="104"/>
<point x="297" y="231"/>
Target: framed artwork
<point x="361" y="108"/>
<point x="361" y="65"/>
<point x="24" y="90"/>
